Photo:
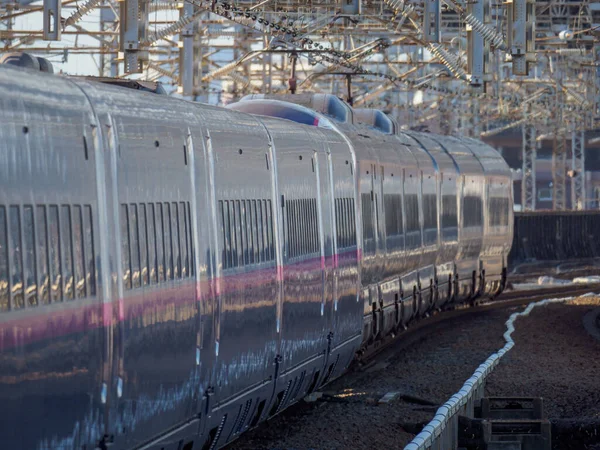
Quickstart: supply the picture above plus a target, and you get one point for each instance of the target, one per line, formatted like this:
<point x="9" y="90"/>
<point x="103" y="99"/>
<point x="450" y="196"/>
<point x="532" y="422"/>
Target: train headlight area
<point x="173" y="273"/>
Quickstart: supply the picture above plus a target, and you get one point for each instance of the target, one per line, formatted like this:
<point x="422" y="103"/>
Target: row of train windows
<point x="345" y="222"/>
<point x="393" y="213"/>
<point x="46" y="255"/>
<point x="302" y="227"/>
<point x="157" y="243"/>
<point x="246" y="232"/>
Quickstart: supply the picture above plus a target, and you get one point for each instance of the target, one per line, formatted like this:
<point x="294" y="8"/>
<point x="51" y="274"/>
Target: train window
<point x="187" y="239"/>
<point x="246" y="232"/>
<point x="499" y="211"/>
<point x="239" y="233"/>
<point x="79" y="276"/>
<point x="184" y="234"/>
<point x="30" y="278"/>
<point x="167" y="233"/>
<point x="161" y="250"/>
<point x="176" y="241"/>
<point x="271" y="252"/>
<point x="429" y="211"/>
<point x="345" y="225"/>
<point x="16" y="257"/>
<point x="143" y="233"/>
<point x="412" y="213"/>
<point x="251" y="231"/>
<point x="90" y="266"/>
<point x="367" y="216"/>
<point x="233" y="234"/>
<point x="244" y="229"/>
<point x="392" y="204"/>
<point x="352" y="217"/>
<point x="377" y="214"/>
<point x="125" y="250"/>
<point x="190" y="239"/>
<point x="226" y="235"/>
<point x="302" y="225"/>
<point x="156" y="242"/>
<point x="151" y="222"/>
<point x="42" y="254"/>
<point x="257" y="230"/>
<point x="346" y="233"/>
<point x="340" y="222"/>
<point x="134" y="245"/>
<point x="472" y="211"/>
<point x="265" y="228"/>
<point x="289" y="238"/>
<point x="449" y="211"/>
<point x="55" y="267"/>
<point x="4" y="275"/>
<point x="66" y="236"/>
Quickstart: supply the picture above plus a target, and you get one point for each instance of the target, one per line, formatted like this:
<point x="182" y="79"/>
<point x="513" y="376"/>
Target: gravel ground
<point x="557" y="359"/>
<point x="434" y="366"/>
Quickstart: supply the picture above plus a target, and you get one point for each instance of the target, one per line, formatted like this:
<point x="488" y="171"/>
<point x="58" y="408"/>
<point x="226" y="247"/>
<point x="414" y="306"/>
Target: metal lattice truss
<point x="469" y="67"/>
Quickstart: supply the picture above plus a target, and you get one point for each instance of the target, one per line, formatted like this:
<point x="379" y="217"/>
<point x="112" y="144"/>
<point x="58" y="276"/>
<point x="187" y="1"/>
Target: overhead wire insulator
<point x="488" y="33"/>
<point x="80" y="12"/>
<point x="448" y="60"/>
<point x="171" y="29"/>
<point x="160" y="70"/>
<point x="400" y="7"/>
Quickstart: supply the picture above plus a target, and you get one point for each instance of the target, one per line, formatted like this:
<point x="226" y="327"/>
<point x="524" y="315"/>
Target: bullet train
<point x="174" y="273"/>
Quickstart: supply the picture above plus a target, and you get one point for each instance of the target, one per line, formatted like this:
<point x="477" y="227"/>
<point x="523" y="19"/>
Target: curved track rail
<point x="505" y="300"/>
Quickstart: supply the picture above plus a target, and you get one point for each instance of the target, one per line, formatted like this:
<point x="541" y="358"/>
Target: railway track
<point x="509" y="299"/>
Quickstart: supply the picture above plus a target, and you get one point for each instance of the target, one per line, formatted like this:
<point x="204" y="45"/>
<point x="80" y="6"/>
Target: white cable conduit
<point x="440" y="432"/>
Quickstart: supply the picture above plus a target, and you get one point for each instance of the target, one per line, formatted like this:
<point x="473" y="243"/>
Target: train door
<point x="347" y="311"/>
<point x="303" y="324"/>
<point x="156" y="346"/>
<point x="53" y="292"/>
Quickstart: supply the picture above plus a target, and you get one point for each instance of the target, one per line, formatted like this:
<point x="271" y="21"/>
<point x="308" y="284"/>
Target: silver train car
<point x="172" y="273"/>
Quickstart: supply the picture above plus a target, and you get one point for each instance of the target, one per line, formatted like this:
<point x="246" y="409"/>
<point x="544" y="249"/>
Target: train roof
<point x="326" y="104"/>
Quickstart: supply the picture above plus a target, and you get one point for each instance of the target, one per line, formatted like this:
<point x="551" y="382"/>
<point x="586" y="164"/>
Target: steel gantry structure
<point x="517" y="64"/>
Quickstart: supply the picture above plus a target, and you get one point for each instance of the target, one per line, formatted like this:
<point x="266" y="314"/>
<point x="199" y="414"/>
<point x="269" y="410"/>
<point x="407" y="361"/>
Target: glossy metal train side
<point x="172" y="273"/>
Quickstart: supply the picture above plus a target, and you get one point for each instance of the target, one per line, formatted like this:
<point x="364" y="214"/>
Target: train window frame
<point x="176" y="242"/>
<point x="472" y="216"/>
<point x="78" y="252"/>
<point x="29" y="257"/>
<point x="152" y="250"/>
<point x="143" y="234"/>
<point x="413" y="222"/>
<point x="16" y="257"/>
<point x="168" y="242"/>
<point x="430" y="211"/>
<point x="161" y="252"/>
<point x="367" y="215"/>
<point x="449" y="213"/>
<point x="192" y="251"/>
<point x="499" y="218"/>
<point x="90" y="251"/>
<point x="394" y="225"/>
<point x="43" y="275"/>
<point x="271" y="241"/>
<point x="55" y="250"/>
<point x="183" y="237"/>
<point x="5" y="288"/>
<point x="134" y="242"/>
